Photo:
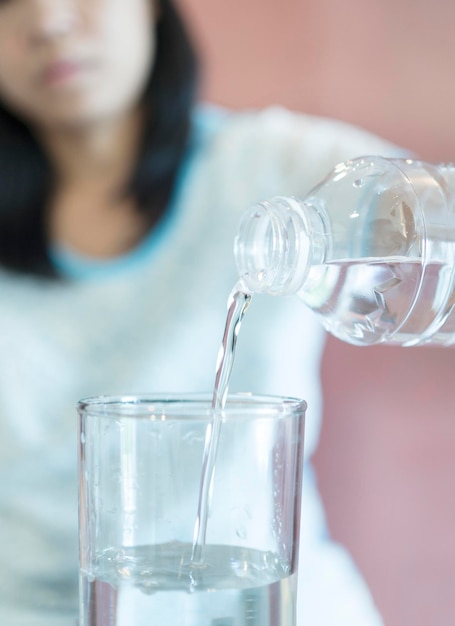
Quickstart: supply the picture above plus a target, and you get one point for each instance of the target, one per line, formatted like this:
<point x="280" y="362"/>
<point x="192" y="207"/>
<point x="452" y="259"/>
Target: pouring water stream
<point x="238" y="302"/>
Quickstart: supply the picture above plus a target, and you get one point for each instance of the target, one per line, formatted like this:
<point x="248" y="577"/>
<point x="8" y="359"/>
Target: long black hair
<point x="27" y="178"/>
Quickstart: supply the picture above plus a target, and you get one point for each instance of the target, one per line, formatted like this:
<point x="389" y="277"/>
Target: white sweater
<point x="152" y="321"/>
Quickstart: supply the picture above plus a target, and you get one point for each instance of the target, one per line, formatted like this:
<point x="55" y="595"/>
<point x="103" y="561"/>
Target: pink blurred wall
<point x="386" y="461"/>
<point x="386" y="65"/>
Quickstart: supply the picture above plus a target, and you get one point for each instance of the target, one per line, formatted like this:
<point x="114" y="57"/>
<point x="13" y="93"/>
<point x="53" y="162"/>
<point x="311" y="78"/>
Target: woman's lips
<point x="61" y="72"/>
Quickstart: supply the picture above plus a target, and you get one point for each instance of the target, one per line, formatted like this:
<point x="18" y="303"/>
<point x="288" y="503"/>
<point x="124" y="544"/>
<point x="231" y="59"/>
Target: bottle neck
<point x="278" y="241"/>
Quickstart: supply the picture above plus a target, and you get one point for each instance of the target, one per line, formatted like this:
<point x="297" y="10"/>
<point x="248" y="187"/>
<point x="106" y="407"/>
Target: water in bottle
<point x="371" y="250"/>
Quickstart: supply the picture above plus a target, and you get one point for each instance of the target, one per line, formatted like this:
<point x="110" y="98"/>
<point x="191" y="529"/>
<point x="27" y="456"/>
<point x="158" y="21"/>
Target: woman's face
<point x="74" y="62"/>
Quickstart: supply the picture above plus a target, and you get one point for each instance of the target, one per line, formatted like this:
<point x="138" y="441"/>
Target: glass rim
<point x="189" y="405"/>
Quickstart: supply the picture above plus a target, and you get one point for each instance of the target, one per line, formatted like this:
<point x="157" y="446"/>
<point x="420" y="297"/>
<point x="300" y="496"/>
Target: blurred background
<point x="386" y="460"/>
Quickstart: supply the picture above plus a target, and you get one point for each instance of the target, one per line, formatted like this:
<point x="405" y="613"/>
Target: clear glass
<point x="371" y="250"/>
<point x="140" y="469"/>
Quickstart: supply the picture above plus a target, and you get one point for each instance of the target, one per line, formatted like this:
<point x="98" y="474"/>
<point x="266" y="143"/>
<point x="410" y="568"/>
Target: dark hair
<point x="27" y="178"/>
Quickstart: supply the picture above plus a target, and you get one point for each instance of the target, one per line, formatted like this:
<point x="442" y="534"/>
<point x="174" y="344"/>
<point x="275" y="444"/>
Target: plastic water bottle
<point x="371" y="250"/>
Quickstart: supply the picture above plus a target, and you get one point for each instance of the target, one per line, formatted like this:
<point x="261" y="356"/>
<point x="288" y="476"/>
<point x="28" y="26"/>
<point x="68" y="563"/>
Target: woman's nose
<point x="50" y="19"/>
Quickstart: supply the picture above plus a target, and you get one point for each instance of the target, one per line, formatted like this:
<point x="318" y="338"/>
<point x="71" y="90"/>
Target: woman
<point x="119" y="201"/>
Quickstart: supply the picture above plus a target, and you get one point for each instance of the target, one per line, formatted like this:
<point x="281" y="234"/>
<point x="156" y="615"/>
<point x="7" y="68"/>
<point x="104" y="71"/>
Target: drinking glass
<point x="189" y="516"/>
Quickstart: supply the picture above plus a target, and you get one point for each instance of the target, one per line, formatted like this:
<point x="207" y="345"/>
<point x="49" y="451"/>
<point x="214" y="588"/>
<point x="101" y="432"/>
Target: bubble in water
<point x="359" y="182"/>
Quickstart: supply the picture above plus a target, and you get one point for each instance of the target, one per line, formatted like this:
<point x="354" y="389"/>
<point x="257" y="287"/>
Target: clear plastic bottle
<point x="371" y="250"/>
